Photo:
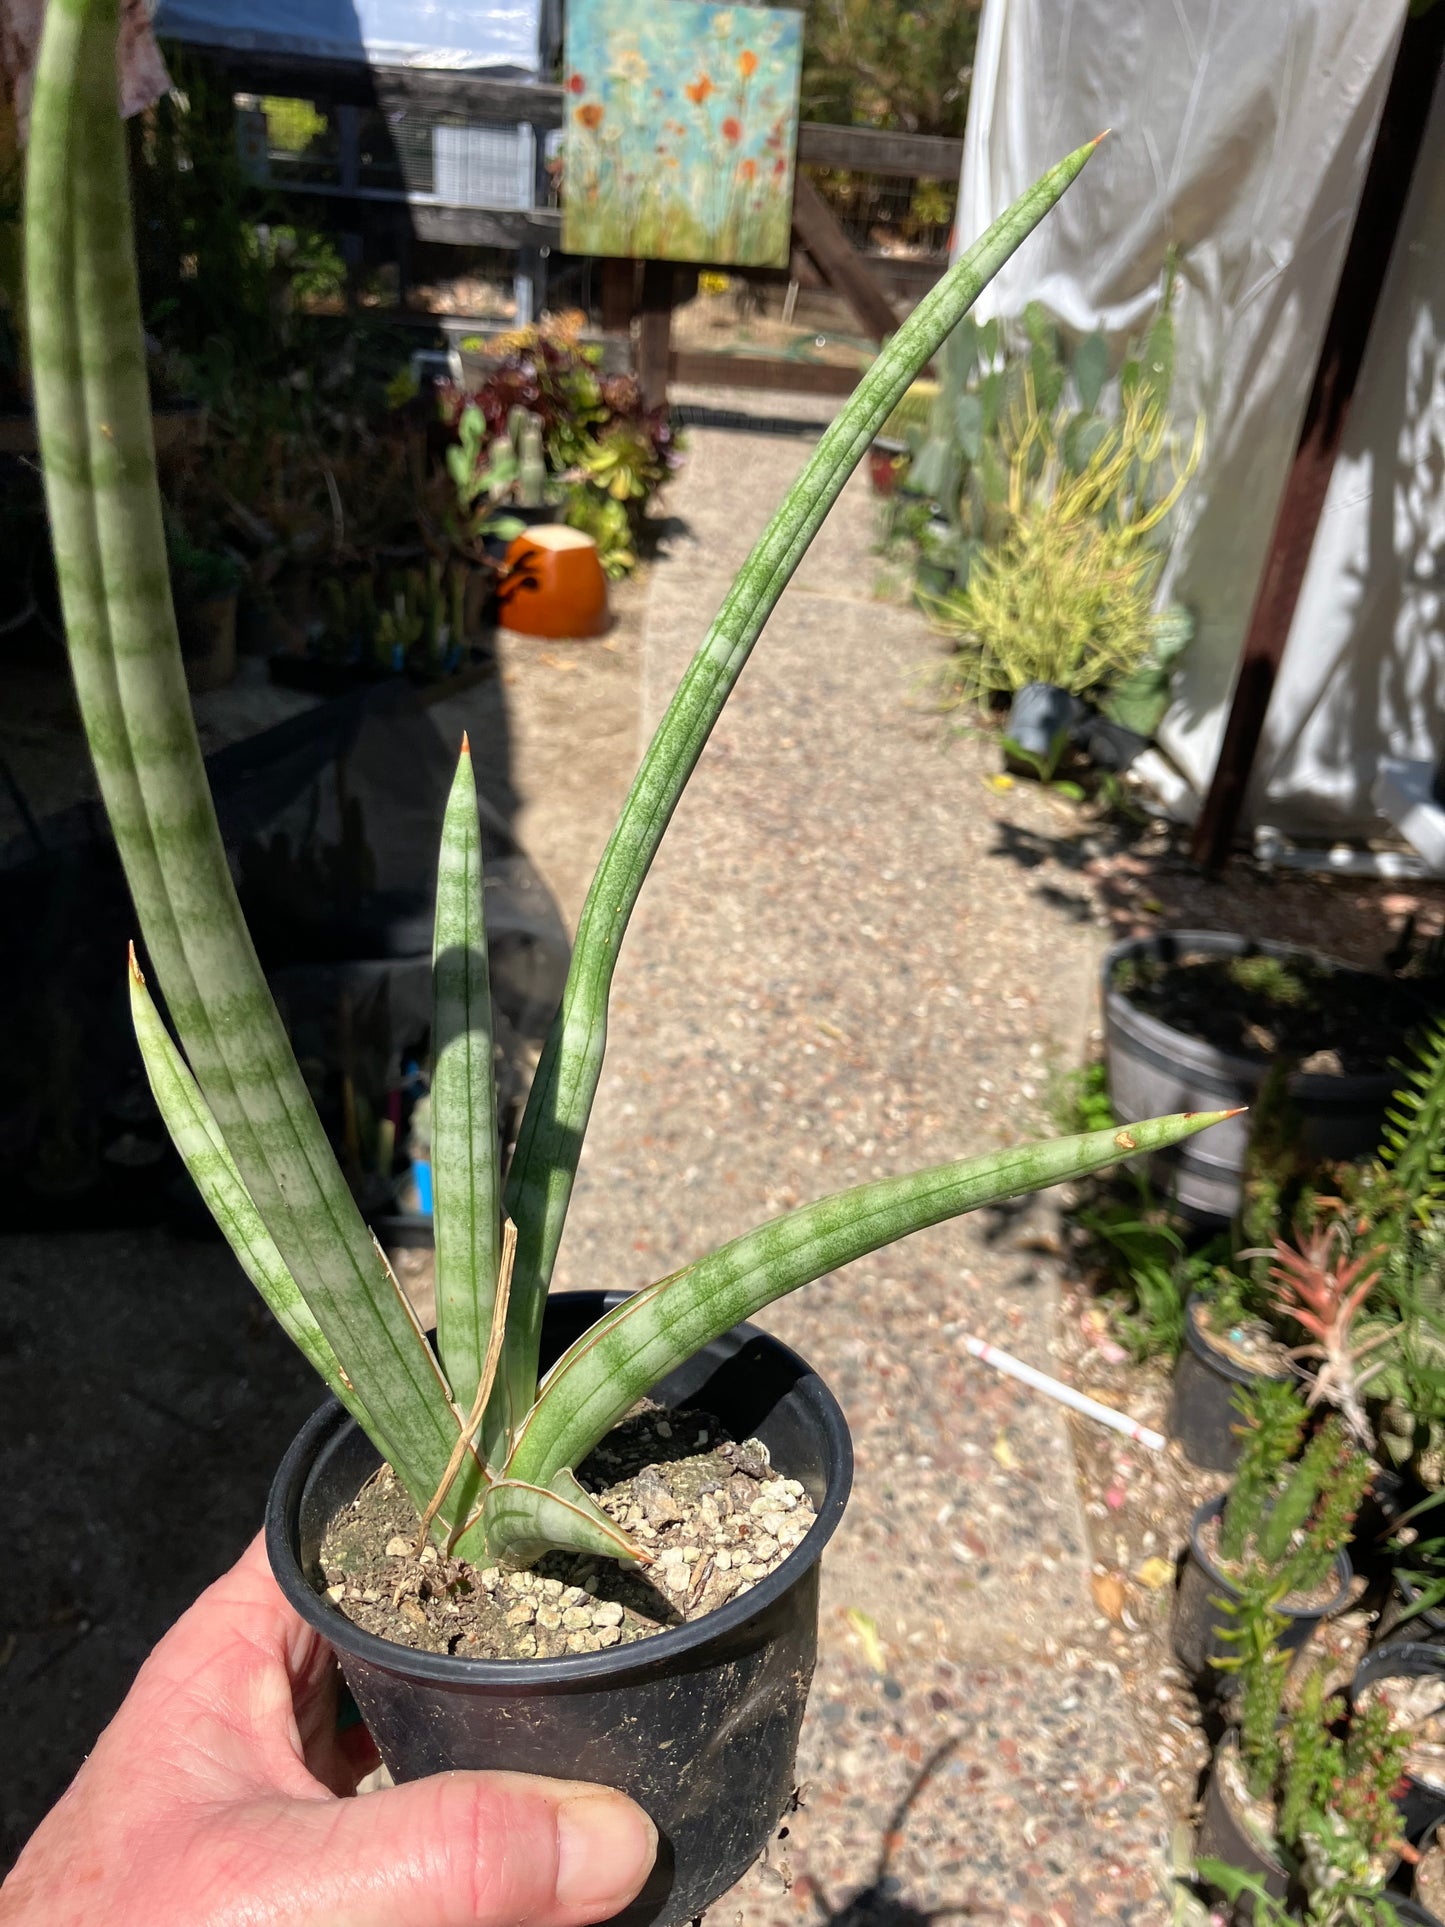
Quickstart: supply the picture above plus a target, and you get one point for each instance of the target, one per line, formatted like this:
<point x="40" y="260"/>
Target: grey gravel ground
<point x="839" y="970"/>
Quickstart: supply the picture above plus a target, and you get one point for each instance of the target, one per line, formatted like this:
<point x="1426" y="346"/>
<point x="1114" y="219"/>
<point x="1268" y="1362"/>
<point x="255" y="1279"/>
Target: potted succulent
<point x="1299" y="1820"/>
<point x="1281" y="1528"/>
<point x="1201" y="1017"/>
<point x="473" y="1460"/>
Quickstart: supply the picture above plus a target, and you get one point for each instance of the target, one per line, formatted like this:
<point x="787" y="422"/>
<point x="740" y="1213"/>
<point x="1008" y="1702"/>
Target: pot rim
<point x="1228" y="1747"/>
<point x="655" y="1653"/>
<point x="1196" y="1053"/>
<point x="1210" y="1509"/>
<point x="1219" y="1361"/>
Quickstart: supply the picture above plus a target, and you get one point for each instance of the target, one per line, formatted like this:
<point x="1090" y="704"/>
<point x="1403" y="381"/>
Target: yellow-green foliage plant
<point x="484" y="1449"/>
<point x="1066" y="595"/>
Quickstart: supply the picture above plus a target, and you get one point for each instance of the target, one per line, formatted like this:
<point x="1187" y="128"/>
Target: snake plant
<point x="485" y="1450"/>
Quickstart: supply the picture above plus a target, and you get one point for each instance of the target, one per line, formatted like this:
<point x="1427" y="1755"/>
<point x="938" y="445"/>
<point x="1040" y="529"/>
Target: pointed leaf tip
<point x="1101" y="137"/>
<point x="137" y="974"/>
<point x="466" y="744"/>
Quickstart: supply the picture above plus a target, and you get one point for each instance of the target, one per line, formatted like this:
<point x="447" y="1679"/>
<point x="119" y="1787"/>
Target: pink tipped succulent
<point x="1324" y="1291"/>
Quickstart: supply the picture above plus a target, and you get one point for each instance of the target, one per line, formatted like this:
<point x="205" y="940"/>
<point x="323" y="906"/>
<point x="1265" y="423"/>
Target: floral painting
<point x="681" y="124"/>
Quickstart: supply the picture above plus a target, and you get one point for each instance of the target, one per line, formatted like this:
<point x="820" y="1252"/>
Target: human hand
<point x="218" y="1797"/>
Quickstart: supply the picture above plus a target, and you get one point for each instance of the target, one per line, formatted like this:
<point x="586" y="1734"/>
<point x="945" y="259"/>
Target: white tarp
<point x="457" y="34"/>
<point x="1241" y="132"/>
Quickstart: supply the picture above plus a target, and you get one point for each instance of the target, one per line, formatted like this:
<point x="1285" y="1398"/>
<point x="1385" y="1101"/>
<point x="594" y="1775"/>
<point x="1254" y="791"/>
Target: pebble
<point x="522" y="1614"/>
<point x="399" y="1547"/>
<point x="608" y="1635"/>
<point x="549" y="1618"/>
<point x="609" y="1613"/>
<point x="576" y="1617"/>
<point x="428" y="1555"/>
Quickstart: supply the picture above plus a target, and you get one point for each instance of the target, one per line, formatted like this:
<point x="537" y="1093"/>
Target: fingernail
<point x="605" y="1850"/>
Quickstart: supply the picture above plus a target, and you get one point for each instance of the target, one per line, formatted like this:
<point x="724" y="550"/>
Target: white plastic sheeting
<point x="1241" y="133"/>
<point x="399" y="33"/>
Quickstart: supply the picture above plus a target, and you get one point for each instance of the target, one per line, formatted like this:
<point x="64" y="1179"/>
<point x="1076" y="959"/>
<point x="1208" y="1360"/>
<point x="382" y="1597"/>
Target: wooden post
<point x="840" y="263"/>
<point x="654" y="334"/>
<point x="619" y="296"/>
<point x="1377" y="223"/>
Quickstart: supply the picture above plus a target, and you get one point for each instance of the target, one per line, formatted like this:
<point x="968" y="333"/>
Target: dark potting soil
<point x="712" y="1513"/>
<point x="1248" y="1342"/>
<point x="1300" y="1602"/>
<point x="1335" y="1022"/>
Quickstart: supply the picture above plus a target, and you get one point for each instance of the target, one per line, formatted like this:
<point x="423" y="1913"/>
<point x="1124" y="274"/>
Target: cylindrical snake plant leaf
<point x="92" y="408"/>
<point x="545" y="1163"/>
<point x="466" y="1210"/>
<point x="631" y="1347"/>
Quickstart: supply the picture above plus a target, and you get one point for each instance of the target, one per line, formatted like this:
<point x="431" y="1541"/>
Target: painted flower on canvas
<point x="681" y="132"/>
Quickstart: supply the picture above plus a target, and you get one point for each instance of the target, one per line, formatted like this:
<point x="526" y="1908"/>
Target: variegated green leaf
<point x="549" y="1144"/>
<point x="203" y="1151"/>
<point x="92" y="408"/>
<point x="466" y="1209"/>
<point x="611" y="1366"/>
<point x="527" y="1521"/>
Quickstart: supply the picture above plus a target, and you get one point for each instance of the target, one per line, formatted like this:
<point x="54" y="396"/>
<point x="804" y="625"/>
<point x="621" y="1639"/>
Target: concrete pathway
<point x="850" y="962"/>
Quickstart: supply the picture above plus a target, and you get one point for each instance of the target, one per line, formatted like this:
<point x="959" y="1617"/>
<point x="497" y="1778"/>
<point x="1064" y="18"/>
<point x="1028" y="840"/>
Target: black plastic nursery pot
<point x="1040" y="715"/>
<point x="1224" y="1835"/>
<point x="1423" y="1628"/>
<point x="1202" y="1417"/>
<point x="1155" y="1070"/>
<point x="1421" y="1804"/>
<point x="1200" y="1622"/>
<point x="699" y="1724"/>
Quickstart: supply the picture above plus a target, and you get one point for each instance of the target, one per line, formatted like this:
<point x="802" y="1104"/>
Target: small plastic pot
<point x="1420" y="1804"/>
<point x="1425" y="1628"/>
<point x="1040" y="718"/>
<point x="1224" y="1836"/>
<point x="1202" y="1417"/>
<point x="699" y="1724"/>
<point x="1413" y="1914"/>
<point x="1199" y="1622"/>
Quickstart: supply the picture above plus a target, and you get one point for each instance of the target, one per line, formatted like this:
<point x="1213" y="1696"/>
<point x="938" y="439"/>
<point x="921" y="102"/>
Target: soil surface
<point x="1299" y="1602"/>
<point x="1335" y="1022"/>
<point x="712" y="1514"/>
<point x="1249" y="1343"/>
<point x="1418" y="1704"/>
<point x="1430" y="1879"/>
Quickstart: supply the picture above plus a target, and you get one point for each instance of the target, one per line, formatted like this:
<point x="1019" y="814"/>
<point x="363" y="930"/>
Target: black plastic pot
<point x="1199" y="1622"/>
<point x="699" y="1724"/>
<point x="1040" y="718"/>
<point x="1420" y="1803"/>
<point x="1224" y="1836"/>
<point x="1155" y="1070"/>
<point x="1202" y="1417"/>
<point x="1425" y="1628"/>
<point x="1413" y="1914"/>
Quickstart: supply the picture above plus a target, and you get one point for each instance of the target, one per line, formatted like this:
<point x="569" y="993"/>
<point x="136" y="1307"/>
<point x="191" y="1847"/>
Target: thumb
<point x="467" y="1850"/>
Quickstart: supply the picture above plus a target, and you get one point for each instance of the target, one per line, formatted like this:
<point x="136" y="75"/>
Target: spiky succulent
<point x="485" y="1452"/>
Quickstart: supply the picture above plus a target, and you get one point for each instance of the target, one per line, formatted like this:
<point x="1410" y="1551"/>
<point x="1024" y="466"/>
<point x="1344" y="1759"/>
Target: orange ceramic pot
<point x="554" y="585"/>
